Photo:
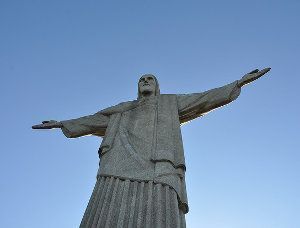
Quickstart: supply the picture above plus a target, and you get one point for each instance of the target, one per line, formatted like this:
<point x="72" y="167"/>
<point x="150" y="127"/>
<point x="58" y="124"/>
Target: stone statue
<point x="141" y="177"/>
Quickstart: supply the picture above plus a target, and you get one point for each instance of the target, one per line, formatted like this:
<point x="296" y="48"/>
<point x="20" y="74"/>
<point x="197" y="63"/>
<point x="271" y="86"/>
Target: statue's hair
<point x="157" y="90"/>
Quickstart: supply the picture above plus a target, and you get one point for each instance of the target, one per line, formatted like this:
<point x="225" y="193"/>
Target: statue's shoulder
<point x="121" y="107"/>
<point x="168" y="95"/>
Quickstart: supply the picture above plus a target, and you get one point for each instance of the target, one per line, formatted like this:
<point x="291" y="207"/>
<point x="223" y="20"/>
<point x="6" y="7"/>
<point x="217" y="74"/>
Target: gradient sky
<point x="65" y="59"/>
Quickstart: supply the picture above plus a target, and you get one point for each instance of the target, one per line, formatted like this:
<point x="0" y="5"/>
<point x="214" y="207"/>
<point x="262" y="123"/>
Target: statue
<point x="141" y="177"/>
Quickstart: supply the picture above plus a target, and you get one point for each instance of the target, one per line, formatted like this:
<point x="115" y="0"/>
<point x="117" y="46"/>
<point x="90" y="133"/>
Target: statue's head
<point x="148" y="85"/>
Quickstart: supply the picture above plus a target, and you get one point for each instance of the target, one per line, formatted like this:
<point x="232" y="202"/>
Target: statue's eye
<point x="150" y="79"/>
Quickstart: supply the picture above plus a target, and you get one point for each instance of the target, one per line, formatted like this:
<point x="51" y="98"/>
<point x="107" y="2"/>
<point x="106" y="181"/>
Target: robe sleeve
<point x="88" y="125"/>
<point x="191" y="106"/>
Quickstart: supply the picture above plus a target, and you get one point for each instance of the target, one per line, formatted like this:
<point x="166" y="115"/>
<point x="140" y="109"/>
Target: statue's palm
<point x="252" y="76"/>
<point x="48" y="124"/>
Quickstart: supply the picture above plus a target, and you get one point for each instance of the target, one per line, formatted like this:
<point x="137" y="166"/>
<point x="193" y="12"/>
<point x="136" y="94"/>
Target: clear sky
<point x="65" y="59"/>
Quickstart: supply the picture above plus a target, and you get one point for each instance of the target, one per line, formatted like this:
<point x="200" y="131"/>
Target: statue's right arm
<point x="87" y="125"/>
<point x="191" y="106"/>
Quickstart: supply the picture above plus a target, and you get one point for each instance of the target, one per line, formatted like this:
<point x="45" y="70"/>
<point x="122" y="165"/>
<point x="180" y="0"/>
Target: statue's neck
<point x="147" y="98"/>
<point x="147" y="95"/>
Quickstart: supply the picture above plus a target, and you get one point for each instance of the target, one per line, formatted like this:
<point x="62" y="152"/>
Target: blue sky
<point x="65" y="59"/>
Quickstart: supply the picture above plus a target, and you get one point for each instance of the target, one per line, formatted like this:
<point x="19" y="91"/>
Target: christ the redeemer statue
<point x="141" y="177"/>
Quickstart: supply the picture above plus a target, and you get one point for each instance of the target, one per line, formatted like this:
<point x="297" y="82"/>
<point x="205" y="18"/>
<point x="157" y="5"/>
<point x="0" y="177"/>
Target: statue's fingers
<point x="38" y="126"/>
<point x="263" y="71"/>
<point x="43" y="126"/>
<point x="266" y="69"/>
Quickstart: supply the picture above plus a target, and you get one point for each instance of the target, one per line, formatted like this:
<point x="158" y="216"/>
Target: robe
<point x="142" y="145"/>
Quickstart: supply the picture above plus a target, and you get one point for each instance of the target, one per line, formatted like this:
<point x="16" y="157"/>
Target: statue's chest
<point x="141" y="120"/>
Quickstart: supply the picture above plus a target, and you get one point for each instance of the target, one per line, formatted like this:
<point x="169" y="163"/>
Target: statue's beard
<point x="147" y="92"/>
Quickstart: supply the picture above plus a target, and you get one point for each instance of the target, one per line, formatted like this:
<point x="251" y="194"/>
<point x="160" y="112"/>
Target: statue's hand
<point x="48" y="124"/>
<point x="252" y="76"/>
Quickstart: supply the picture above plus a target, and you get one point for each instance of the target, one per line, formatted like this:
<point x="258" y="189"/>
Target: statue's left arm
<point x="95" y="124"/>
<point x="191" y="106"/>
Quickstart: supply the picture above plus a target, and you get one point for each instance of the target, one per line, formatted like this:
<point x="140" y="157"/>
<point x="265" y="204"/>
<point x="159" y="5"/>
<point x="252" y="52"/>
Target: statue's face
<point x="147" y="84"/>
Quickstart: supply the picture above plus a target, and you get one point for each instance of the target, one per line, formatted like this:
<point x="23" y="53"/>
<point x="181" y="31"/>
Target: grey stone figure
<point x="141" y="177"/>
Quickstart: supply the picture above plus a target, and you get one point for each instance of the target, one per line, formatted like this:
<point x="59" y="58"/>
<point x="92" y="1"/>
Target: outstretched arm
<point x="94" y="124"/>
<point x="191" y="106"/>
